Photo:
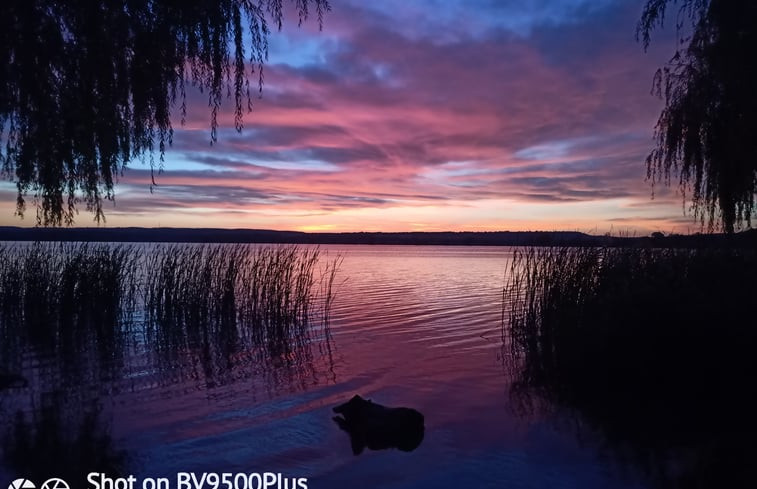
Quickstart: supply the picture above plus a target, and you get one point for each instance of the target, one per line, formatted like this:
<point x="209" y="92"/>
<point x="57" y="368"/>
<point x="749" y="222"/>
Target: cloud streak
<point x="430" y="115"/>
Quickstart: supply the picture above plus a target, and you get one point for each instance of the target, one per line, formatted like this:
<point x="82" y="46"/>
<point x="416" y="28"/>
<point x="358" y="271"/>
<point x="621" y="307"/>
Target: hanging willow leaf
<point x="87" y="86"/>
<point x="706" y="132"/>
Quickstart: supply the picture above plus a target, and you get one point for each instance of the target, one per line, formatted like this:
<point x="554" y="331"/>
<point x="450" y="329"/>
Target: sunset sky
<point x="426" y="115"/>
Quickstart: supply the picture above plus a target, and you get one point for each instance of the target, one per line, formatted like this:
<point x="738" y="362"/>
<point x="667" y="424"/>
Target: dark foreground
<point x="651" y="350"/>
<point x="202" y="372"/>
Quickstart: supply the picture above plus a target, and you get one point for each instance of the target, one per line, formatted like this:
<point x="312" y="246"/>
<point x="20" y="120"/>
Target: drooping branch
<point x="87" y="86"/>
<point x="705" y="133"/>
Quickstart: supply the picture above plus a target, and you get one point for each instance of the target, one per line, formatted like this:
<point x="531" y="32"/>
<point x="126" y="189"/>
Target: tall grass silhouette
<point x="66" y="299"/>
<point x="81" y="322"/>
<point x="651" y="348"/>
<point x="78" y="298"/>
<point x="235" y="304"/>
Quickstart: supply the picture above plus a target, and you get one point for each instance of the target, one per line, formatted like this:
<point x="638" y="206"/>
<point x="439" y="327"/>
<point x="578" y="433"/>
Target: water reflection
<point x="616" y="352"/>
<point x="61" y="439"/>
<point x="692" y="444"/>
<point x="220" y="314"/>
<point x="12" y="381"/>
<point x="85" y="326"/>
<point x="66" y="303"/>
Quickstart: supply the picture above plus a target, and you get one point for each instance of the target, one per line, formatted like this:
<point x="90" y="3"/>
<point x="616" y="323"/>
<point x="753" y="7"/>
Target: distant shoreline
<point x="462" y="238"/>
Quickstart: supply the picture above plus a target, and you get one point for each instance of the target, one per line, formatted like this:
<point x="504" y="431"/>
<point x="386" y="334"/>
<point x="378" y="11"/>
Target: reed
<point x="77" y="320"/>
<point x="651" y="348"/>
<point x="77" y="298"/>
<point x="261" y="295"/>
<point x="59" y="296"/>
<point x="587" y="313"/>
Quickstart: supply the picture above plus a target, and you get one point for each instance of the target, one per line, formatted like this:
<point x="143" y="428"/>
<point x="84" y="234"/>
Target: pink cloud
<point x="385" y="121"/>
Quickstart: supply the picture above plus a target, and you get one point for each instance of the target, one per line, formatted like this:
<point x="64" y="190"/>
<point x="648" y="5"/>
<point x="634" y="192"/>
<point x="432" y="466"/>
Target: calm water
<point x="410" y="326"/>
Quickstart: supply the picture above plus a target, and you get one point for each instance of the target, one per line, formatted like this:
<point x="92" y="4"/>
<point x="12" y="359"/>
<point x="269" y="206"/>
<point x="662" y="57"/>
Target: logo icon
<point x="22" y="484"/>
<point x="55" y="483"/>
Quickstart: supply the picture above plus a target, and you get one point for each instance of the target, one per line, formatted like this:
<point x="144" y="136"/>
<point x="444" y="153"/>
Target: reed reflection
<point x="62" y="439"/>
<point x="67" y="303"/>
<point x="235" y="311"/>
<point x="80" y="323"/>
<point x="90" y="307"/>
<point x="648" y="360"/>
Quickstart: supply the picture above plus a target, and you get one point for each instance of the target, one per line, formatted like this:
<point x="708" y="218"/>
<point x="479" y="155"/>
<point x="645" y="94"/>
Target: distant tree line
<point x="746" y="239"/>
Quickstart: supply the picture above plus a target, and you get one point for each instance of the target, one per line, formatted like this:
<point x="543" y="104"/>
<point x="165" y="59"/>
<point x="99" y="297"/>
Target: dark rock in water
<point x="379" y="427"/>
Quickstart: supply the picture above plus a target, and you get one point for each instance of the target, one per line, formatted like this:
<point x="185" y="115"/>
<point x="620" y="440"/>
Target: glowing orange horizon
<point x="374" y="126"/>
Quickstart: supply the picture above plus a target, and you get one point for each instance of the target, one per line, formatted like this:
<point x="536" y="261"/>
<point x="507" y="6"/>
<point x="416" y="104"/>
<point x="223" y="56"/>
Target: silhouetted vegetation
<point x="705" y="133"/>
<point x="87" y="86"/>
<point x="87" y="304"/>
<point x="80" y="323"/>
<point x="61" y="441"/>
<point x="265" y="292"/>
<point x="70" y="300"/>
<point x="652" y="350"/>
<point x="235" y="305"/>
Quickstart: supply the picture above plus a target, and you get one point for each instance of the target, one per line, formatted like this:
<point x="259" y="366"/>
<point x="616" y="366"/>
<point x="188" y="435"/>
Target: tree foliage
<point x="707" y="131"/>
<point x="88" y="85"/>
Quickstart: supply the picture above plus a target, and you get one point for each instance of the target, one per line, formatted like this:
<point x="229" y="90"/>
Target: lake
<point x="415" y="326"/>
